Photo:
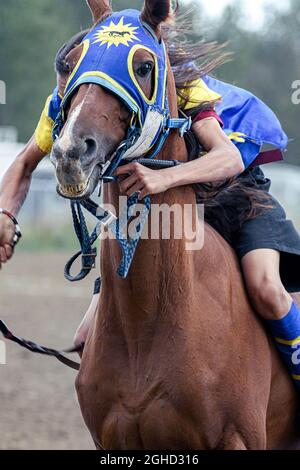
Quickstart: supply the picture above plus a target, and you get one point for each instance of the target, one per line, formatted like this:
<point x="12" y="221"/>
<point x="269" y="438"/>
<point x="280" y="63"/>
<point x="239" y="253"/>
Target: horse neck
<point x="175" y="148"/>
<point x="157" y="263"/>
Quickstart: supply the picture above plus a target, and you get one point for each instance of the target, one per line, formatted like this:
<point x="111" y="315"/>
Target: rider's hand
<point x="7" y="232"/>
<point x="139" y="179"/>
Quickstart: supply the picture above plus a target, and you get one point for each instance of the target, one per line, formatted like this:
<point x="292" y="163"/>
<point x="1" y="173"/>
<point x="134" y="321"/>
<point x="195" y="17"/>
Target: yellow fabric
<point x="237" y="137"/>
<point x="293" y="342"/>
<point x="196" y="95"/>
<point x="43" y="132"/>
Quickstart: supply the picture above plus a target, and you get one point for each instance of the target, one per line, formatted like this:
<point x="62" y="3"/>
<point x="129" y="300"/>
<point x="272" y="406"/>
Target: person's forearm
<point x="14" y="187"/>
<point x="16" y="181"/>
<point x="216" y="166"/>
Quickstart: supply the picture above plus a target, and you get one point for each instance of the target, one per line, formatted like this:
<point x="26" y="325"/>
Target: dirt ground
<point x="38" y="405"/>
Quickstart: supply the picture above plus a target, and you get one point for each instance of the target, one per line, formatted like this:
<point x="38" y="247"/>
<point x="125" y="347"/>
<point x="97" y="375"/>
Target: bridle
<point x="88" y="256"/>
<point x="161" y="124"/>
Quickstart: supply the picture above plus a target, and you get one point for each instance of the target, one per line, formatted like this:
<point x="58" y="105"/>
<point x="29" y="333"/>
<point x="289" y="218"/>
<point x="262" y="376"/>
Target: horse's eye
<point x="145" y="69"/>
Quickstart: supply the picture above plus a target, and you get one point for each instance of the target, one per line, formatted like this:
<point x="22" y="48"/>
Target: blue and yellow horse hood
<point x="107" y="60"/>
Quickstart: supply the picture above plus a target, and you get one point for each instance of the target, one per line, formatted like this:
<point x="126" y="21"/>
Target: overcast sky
<point x="254" y="8"/>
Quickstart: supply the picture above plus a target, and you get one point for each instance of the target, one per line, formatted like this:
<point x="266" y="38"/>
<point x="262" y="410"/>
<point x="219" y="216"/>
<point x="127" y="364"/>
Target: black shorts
<point x="269" y="229"/>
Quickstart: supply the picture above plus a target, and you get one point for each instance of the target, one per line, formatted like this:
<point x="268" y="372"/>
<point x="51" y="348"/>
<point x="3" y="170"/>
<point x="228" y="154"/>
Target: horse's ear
<point x="156" y="12"/>
<point x="99" y="8"/>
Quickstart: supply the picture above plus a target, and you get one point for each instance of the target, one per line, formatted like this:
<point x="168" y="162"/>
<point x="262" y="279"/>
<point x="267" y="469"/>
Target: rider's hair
<point x="60" y="64"/>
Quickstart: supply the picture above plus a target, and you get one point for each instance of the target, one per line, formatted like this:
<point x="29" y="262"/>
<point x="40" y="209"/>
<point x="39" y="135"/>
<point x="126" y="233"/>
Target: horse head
<point x="115" y="99"/>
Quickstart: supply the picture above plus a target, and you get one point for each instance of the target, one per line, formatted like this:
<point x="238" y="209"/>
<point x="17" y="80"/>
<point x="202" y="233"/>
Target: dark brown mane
<point x="190" y="60"/>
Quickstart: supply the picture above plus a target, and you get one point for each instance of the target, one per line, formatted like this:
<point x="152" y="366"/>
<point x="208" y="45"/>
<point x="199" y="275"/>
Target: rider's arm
<point x="223" y="160"/>
<point x="16" y="181"/>
<point x="13" y="190"/>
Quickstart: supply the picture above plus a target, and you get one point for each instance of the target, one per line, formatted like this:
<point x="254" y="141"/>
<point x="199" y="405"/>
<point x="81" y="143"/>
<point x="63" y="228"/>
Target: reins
<point x="36" y="348"/>
<point x="88" y="256"/>
<point x="150" y="126"/>
<point x="110" y="221"/>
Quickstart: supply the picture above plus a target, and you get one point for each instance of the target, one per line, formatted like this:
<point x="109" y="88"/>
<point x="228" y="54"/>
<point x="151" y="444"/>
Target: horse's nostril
<point x="90" y="146"/>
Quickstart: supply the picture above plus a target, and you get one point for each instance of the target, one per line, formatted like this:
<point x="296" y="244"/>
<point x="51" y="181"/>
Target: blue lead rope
<point x="87" y="252"/>
<point x="128" y="246"/>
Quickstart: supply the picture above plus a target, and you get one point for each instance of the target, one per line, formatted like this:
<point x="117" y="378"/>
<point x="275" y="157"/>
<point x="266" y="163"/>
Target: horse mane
<point x="190" y="60"/>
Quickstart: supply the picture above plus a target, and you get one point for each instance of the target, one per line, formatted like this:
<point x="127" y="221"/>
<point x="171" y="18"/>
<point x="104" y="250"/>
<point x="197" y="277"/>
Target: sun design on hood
<point x="116" y="34"/>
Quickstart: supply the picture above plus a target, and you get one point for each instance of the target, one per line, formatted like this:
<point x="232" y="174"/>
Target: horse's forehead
<point x="107" y="57"/>
<point x="109" y="46"/>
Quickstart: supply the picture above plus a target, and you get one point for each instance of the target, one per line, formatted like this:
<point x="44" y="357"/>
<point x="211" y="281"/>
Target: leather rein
<point x="88" y="263"/>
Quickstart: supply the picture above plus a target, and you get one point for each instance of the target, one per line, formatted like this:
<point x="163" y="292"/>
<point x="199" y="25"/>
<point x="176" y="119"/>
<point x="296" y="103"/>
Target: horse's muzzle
<point x="77" y="168"/>
<point x="81" y="190"/>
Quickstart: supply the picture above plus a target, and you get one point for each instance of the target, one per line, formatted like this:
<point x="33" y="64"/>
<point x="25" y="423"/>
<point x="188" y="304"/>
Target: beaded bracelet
<point x="18" y="233"/>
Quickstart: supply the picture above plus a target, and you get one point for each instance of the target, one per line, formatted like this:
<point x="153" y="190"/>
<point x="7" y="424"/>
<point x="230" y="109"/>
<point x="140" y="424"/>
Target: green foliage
<point x="266" y="62"/>
<point x="31" y="32"/>
<point x="60" y="238"/>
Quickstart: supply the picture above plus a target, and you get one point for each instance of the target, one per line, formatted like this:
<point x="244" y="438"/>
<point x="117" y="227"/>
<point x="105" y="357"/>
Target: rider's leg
<point x="274" y="304"/>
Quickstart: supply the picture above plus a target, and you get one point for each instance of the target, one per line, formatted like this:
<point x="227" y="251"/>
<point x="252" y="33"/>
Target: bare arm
<point x="13" y="191"/>
<point x="16" y="181"/>
<point x="222" y="161"/>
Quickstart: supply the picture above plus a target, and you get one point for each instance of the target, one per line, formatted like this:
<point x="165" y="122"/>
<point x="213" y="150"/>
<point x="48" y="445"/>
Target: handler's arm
<point x="13" y="191"/>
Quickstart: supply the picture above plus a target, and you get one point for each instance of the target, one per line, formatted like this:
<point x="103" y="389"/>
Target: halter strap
<point x="116" y="225"/>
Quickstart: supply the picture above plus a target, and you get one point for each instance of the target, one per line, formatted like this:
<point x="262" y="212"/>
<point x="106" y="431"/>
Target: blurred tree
<point x="31" y="32"/>
<point x="265" y="62"/>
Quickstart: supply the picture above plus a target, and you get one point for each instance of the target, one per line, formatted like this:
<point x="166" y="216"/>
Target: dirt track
<point x="38" y="406"/>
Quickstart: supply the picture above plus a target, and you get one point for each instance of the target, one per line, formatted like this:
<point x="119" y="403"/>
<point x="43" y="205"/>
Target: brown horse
<point x="176" y="357"/>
